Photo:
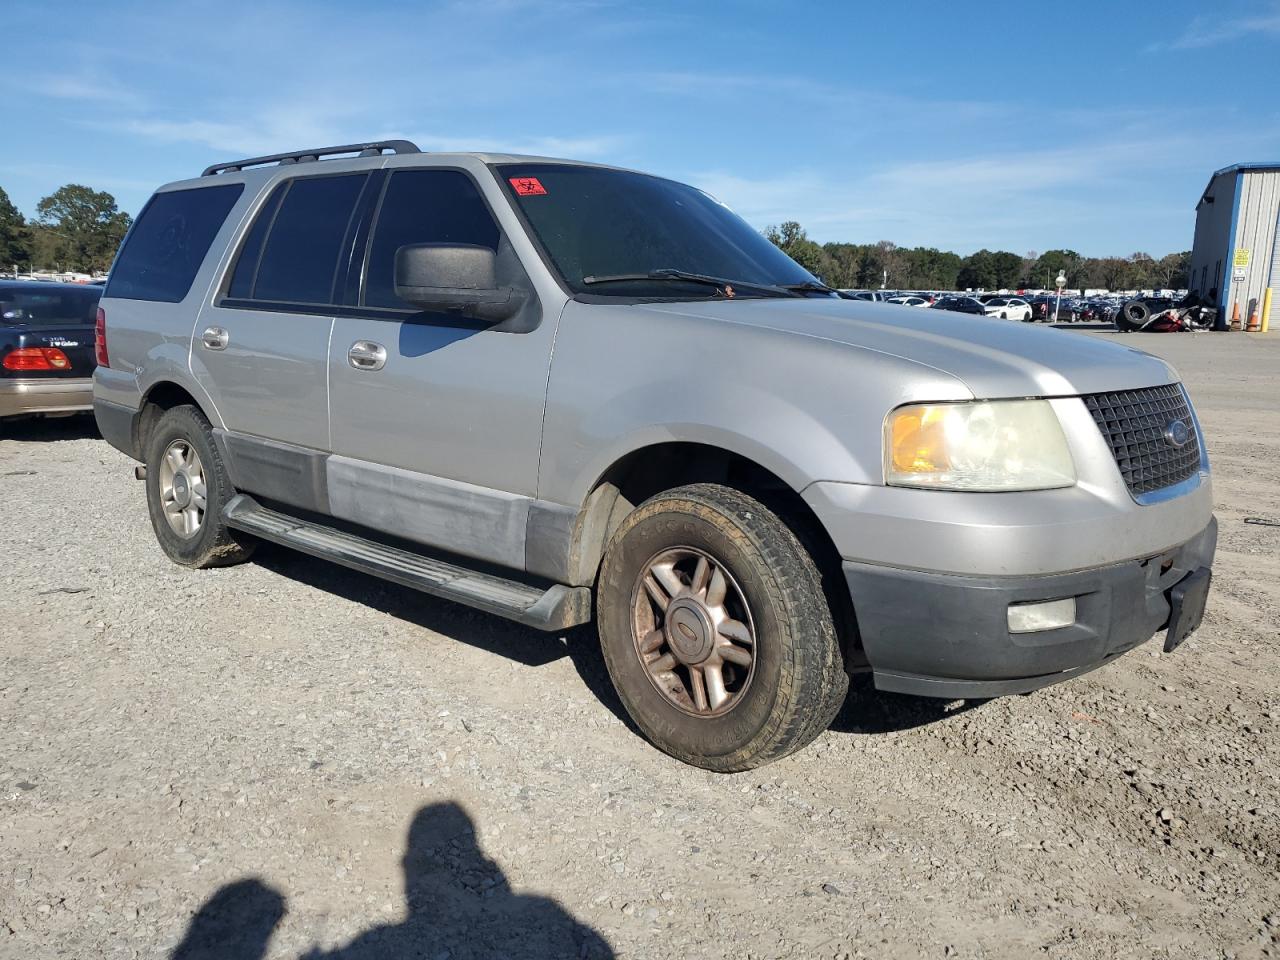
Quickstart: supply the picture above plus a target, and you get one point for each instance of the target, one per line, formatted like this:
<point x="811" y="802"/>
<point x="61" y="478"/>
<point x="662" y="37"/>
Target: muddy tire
<point x="716" y="631"/>
<point x="187" y="487"/>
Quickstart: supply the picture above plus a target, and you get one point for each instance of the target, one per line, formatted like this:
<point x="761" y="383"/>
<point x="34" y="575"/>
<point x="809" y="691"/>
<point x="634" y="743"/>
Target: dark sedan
<point x="46" y="347"/>
<point x="961" y="305"/>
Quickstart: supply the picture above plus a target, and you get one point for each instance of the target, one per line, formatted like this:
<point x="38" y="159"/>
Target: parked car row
<point x="988" y="305"/>
<point x="1030" y="307"/>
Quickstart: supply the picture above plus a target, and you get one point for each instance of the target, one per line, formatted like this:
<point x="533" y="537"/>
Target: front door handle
<point x="367" y="355"/>
<point x="215" y="338"/>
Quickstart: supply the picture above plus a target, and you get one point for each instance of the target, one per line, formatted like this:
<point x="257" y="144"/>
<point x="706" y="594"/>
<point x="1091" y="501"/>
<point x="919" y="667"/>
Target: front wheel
<point x="187" y="487"/>
<point x="716" y="631"/>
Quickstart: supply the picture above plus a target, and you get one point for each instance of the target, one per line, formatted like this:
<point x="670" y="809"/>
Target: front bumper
<point x="946" y="635"/>
<point x="52" y="396"/>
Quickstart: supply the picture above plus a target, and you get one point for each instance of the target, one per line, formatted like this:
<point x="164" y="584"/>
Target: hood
<point x="993" y="358"/>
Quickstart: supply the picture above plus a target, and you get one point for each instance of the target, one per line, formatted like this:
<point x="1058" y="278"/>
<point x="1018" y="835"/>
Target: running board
<point x="555" y="608"/>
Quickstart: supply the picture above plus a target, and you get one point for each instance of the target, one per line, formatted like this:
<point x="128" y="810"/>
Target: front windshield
<point x="594" y="222"/>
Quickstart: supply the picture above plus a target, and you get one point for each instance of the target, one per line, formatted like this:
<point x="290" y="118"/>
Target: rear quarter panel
<point x="149" y="342"/>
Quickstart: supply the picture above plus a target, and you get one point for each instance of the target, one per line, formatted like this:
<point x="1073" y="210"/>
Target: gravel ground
<point x="285" y="758"/>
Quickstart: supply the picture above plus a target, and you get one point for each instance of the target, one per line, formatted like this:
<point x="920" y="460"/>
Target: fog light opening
<point x="1044" y="615"/>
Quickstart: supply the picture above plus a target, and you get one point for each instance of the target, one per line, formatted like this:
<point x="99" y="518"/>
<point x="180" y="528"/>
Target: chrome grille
<point x="1136" y="423"/>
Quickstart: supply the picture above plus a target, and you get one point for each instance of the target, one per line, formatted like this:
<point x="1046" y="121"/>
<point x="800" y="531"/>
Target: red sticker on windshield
<point x="528" y="186"/>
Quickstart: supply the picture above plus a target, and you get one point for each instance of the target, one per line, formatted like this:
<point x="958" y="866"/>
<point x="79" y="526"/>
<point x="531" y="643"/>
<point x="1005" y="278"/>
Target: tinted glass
<point x="251" y="251"/>
<point x="423" y="206"/>
<point x="598" y="222"/>
<point x="301" y="255"/>
<point x="168" y="243"/>
<point x="30" y="305"/>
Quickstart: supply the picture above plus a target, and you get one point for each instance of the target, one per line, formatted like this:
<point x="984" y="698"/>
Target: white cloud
<point x="85" y="86"/>
<point x="1007" y="200"/>
<point x="1206" y="31"/>
<point x="580" y="148"/>
<point x="284" y="129"/>
<point x="270" y="133"/>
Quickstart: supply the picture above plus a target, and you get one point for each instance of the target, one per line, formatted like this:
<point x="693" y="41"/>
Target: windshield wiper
<point x="669" y="274"/>
<point x="808" y="286"/>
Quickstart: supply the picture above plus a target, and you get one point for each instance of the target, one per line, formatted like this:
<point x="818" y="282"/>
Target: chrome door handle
<point x="367" y="355"/>
<point x="215" y="338"/>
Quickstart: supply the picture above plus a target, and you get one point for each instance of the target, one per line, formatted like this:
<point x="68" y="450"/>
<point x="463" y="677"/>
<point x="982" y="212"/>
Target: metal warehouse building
<point x="1235" y="258"/>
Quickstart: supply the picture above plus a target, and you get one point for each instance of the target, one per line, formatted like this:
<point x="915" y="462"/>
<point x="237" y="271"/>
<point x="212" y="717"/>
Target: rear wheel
<point x="716" y="631"/>
<point x="187" y="487"/>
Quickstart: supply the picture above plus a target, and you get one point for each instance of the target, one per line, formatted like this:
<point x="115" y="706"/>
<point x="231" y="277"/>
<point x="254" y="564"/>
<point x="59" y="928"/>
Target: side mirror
<point x="454" y="277"/>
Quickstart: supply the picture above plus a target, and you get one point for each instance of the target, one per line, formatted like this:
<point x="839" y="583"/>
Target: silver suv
<point x="557" y="391"/>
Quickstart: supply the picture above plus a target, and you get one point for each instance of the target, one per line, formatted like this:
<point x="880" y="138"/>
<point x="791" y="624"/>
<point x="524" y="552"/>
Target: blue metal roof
<point x="1258" y="165"/>
<point x="1237" y="168"/>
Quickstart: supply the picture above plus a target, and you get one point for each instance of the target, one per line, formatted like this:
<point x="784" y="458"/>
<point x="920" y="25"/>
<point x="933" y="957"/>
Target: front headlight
<point x="983" y="445"/>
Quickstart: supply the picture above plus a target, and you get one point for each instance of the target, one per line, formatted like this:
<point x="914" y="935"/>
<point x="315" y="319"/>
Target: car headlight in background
<point x="985" y="445"/>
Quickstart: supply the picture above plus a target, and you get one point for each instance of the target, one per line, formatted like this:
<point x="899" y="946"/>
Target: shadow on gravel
<point x="458" y="904"/>
<point x="867" y="710"/>
<point x="46" y="429"/>
<point x="485" y="631"/>
<point x="235" y="923"/>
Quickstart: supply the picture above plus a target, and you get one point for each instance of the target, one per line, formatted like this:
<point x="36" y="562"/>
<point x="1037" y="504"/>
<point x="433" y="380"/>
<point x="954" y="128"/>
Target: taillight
<point x="100" y="338"/>
<point x="36" y="358"/>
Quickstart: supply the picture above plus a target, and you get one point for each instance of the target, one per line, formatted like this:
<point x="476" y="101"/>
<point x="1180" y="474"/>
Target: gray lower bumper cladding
<point x="945" y="635"/>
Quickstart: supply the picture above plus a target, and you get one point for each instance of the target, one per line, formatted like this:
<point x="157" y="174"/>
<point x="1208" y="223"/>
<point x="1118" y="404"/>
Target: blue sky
<point x="1002" y="125"/>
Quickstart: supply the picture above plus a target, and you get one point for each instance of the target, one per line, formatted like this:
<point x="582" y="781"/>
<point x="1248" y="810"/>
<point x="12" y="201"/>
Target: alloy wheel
<point x="183" y="491"/>
<point x="693" y="631"/>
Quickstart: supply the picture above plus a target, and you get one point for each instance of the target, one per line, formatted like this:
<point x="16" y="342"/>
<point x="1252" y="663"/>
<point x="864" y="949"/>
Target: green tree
<point x="1051" y="262"/>
<point x="86" y="226"/>
<point x="15" y="237"/>
<point x="978" y="271"/>
<point x="1007" y="268"/>
<point x="795" y="243"/>
<point x="843" y="264"/>
<point x="894" y="263"/>
<point x="933" y="269"/>
<point x="864" y="265"/>
<point x="1115" y="273"/>
<point x="1171" y="270"/>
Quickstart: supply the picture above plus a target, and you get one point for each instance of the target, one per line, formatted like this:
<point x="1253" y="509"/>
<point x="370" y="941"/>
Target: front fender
<point x="787" y="441"/>
<point x="805" y="408"/>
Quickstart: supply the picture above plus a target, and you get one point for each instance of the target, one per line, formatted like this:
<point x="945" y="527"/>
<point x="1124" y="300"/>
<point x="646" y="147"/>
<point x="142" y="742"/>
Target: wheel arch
<point x="158" y="399"/>
<point x="643" y="472"/>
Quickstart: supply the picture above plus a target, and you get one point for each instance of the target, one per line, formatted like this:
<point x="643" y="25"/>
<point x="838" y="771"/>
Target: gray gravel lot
<point x="332" y="764"/>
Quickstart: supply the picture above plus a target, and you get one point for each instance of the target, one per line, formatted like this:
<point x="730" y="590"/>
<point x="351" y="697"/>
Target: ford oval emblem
<point x="1177" y="433"/>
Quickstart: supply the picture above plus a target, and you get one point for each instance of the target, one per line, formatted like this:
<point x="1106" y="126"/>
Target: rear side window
<point x="168" y="243"/>
<point x="423" y="206"/>
<point x="300" y="258"/>
<point x="251" y="252"/>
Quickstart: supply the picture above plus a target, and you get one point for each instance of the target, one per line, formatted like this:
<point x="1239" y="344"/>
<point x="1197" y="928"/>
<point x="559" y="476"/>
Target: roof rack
<point x="374" y="149"/>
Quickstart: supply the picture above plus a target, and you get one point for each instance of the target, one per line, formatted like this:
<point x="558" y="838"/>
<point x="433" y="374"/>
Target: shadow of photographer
<point x="458" y="905"/>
